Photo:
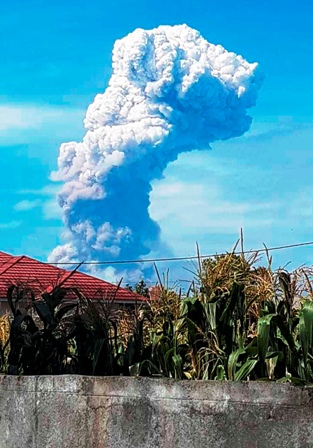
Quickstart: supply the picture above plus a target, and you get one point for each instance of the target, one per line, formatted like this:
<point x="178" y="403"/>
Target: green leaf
<point x="306" y="329"/>
<point x="246" y="369"/>
<point x="210" y="313"/>
<point x="285" y="332"/>
<point x="232" y="361"/>
<point x="264" y="325"/>
<point x="178" y="366"/>
<point x="148" y="365"/>
<point x="220" y="373"/>
<point x="271" y="355"/>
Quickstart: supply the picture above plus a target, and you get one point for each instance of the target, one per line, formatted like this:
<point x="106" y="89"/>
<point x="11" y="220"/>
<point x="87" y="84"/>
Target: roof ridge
<point x="8" y="264"/>
<point x="6" y="253"/>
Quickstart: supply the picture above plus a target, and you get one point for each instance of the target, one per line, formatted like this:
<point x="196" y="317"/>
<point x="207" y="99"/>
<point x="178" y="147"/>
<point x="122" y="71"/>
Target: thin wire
<point x="172" y="282"/>
<point x="193" y="257"/>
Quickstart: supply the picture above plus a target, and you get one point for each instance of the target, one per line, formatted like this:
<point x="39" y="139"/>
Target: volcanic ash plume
<point x="170" y="91"/>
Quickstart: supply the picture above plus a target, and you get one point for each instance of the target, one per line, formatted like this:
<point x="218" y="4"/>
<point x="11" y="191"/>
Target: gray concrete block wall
<point x="119" y="412"/>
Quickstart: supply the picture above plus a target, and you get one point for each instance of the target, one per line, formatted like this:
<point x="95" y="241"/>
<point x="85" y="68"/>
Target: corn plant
<point x="238" y="321"/>
<point x="38" y="345"/>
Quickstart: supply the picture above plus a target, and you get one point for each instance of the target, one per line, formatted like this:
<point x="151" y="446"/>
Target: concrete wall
<point x="85" y="412"/>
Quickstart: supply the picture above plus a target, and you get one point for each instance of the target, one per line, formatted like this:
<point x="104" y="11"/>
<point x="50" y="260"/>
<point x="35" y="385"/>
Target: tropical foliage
<point x="238" y="321"/>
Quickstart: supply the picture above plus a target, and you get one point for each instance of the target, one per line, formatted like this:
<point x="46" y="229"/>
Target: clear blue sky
<point x="55" y="56"/>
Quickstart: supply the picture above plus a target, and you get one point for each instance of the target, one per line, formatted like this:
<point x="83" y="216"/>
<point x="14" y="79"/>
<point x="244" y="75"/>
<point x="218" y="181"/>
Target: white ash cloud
<point x="170" y="92"/>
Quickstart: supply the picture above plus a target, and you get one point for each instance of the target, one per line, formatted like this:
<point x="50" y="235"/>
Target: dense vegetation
<point x="238" y="321"/>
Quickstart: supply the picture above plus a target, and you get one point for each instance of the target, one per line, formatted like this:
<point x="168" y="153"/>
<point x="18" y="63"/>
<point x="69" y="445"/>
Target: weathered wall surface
<point x="88" y="412"/>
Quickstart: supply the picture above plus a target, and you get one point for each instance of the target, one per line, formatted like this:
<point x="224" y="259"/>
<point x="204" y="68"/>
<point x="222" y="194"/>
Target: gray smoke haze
<point x="170" y="92"/>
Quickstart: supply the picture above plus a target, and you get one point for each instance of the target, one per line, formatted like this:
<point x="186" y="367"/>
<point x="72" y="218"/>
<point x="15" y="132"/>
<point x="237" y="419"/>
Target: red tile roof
<point x="4" y="257"/>
<point x="41" y="277"/>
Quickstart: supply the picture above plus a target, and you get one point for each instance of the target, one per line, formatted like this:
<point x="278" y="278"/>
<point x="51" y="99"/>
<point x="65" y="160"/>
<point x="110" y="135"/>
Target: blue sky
<point x="56" y="57"/>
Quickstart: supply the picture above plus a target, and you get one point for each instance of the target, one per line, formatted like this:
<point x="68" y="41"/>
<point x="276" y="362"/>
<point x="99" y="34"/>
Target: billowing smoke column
<point x="170" y="91"/>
